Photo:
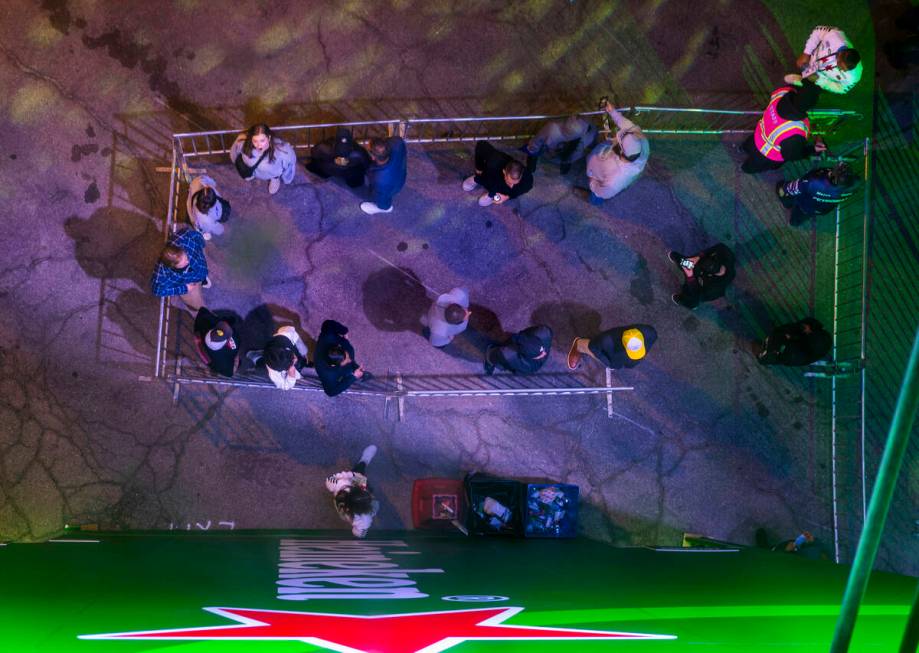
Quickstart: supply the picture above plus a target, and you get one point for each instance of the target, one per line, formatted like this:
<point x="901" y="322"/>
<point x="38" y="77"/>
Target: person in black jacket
<point x="524" y="353"/>
<point x="503" y="177"/>
<point x="335" y="364"/>
<point x="215" y="343"/>
<point x="816" y="193"/>
<point x="800" y="343"/>
<point x="340" y="157"/>
<point x="707" y="275"/>
<point x="616" y="348"/>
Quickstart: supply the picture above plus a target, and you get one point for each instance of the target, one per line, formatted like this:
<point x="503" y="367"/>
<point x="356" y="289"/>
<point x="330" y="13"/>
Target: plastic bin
<point x="550" y="510"/>
<point x="436" y="502"/>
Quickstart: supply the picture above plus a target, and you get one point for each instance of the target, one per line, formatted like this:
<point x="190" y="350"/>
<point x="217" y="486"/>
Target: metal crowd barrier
<point x="189" y="147"/>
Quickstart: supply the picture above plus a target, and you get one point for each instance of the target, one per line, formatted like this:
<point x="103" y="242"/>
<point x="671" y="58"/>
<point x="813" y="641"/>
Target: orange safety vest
<point x="772" y="129"/>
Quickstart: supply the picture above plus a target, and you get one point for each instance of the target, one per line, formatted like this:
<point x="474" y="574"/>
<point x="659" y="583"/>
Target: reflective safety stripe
<point x="768" y="139"/>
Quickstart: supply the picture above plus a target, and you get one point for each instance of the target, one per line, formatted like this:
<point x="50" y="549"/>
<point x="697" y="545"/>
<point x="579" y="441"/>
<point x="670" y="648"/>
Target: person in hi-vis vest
<point x="782" y="133"/>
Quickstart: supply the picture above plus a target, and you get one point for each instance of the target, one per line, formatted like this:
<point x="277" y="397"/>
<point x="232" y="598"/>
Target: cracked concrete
<point x="708" y="442"/>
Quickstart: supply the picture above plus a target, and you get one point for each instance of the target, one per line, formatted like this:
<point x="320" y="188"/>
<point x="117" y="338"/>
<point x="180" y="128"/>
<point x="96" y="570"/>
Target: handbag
<point x="224" y="209"/>
<point x="246" y="171"/>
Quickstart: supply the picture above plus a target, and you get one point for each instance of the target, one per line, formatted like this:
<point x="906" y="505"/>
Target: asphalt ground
<point x="707" y="442"/>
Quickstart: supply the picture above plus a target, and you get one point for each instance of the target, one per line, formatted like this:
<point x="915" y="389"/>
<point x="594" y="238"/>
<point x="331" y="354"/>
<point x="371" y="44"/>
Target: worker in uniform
<point x="782" y="133"/>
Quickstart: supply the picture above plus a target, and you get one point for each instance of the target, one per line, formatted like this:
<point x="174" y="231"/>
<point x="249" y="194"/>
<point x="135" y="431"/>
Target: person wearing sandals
<point x="259" y="154"/>
<point x="207" y="210"/>
<point x="353" y="497"/>
<point x="624" y="346"/>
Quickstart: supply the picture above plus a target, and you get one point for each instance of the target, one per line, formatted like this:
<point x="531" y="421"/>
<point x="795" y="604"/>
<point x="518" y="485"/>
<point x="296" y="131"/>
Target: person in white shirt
<point x="353" y="497"/>
<point x="284" y="356"/>
<point x="828" y="60"/>
<point x="615" y="164"/>
<point x="448" y="317"/>
<point x="207" y="210"/>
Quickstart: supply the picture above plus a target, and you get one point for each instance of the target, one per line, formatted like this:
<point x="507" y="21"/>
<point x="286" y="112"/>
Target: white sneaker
<point x="793" y="79"/>
<point x="486" y="200"/>
<point x="368" y="454"/>
<point x="469" y="184"/>
<point x="370" y="208"/>
<point x="274" y="185"/>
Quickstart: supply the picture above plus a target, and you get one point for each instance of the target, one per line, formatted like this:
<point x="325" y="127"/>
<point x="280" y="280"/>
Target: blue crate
<point x="534" y="521"/>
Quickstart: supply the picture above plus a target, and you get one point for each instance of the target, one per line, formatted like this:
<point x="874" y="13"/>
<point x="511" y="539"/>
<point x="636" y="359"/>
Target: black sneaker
<point x="676" y="257"/>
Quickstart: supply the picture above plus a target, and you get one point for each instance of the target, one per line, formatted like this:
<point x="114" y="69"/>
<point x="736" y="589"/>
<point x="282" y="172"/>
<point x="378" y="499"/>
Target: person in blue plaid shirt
<point x="182" y="269"/>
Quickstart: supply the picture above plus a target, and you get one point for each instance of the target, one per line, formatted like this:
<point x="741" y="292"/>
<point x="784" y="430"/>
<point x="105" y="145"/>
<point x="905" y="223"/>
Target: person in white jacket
<point x="615" y="164"/>
<point x="274" y="160"/>
<point x="353" y="497"/>
<point x="207" y="210"/>
<point x="829" y="60"/>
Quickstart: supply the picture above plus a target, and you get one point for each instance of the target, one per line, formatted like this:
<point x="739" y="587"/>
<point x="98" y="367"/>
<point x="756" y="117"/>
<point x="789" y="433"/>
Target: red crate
<point x="432" y="501"/>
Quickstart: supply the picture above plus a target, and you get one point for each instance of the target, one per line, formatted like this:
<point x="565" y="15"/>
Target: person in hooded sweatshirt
<point x="335" y="365"/>
<point x="341" y="157"/>
<point x="782" y="133"/>
<point x="799" y="343"/>
<point x="615" y="164"/>
<point x="524" y="353"/>
<point x="564" y="141"/>
<point x="259" y="154"/>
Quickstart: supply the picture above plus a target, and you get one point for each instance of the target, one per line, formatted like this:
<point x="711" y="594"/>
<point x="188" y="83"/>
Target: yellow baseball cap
<point x="634" y="343"/>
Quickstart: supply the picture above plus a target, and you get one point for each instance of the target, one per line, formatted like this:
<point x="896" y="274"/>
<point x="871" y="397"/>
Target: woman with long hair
<point x="259" y="154"/>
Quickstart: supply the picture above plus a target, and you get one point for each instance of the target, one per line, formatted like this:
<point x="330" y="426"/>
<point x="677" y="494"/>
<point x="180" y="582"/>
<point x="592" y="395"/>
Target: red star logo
<point x="418" y="632"/>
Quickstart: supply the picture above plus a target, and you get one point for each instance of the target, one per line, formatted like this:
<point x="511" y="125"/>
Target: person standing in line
<point x="706" y="275"/>
<point x="816" y="193"/>
<point x="259" y="154"/>
<point x="387" y="173"/>
<point x="502" y="176"/>
<point x="341" y="157"/>
<point x="615" y="164"/>
<point x="525" y="353"/>
<point x="448" y="317"/>
<point x="616" y="348"/>
<point x="781" y="134"/>
<point x="215" y="343"/>
<point x="284" y="356"/>
<point x="828" y="60"/>
<point x="207" y="210"/>
<point x="182" y="269"/>
<point x="335" y="364"/>
<point x="353" y="497"/>
<point x="799" y="343"/>
<point x="563" y="141"/>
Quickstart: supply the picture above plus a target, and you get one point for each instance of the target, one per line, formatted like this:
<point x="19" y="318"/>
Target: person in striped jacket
<point x="816" y="193"/>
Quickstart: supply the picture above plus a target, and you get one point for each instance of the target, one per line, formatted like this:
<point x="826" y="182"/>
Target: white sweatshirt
<point x="822" y="46"/>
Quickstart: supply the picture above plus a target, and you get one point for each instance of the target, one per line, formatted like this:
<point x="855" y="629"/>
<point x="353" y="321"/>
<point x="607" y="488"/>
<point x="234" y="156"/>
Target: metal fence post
<point x="881" y="496"/>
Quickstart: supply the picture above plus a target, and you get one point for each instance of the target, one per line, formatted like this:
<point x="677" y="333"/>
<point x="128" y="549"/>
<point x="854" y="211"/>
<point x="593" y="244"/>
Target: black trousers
<point x="756" y="162"/>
